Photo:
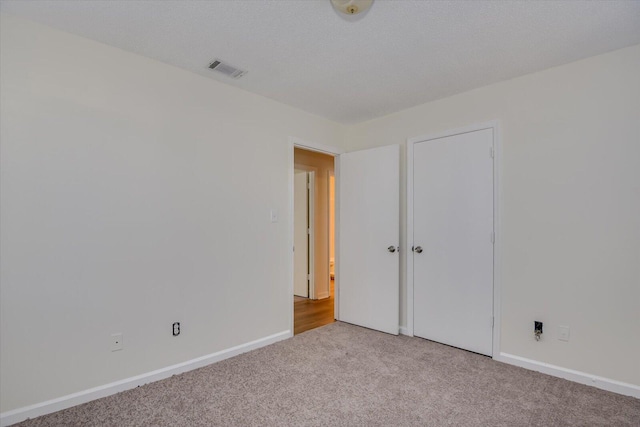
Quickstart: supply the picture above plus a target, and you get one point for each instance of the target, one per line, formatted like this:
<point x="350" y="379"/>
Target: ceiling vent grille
<point x="226" y="69"/>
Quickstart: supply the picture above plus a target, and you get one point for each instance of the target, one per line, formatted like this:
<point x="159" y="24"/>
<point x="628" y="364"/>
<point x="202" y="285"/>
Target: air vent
<point x="226" y="69"/>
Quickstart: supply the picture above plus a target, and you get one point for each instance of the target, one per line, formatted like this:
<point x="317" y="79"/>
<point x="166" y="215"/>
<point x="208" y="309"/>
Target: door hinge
<point x="308" y="277"/>
<point x="493" y="321"/>
<point x="308" y="186"/>
<point x="492" y="152"/>
<point x="308" y="231"/>
<point x="493" y="237"/>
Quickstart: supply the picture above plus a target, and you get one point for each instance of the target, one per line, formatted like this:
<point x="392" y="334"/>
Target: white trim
<point x="290" y="240"/>
<point x="497" y="230"/>
<point x="572" y="375"/>
<point x="405" y="331"/>
<point x="336" y="237"/>
<point x="323" y="295"/>
<point x="312" y="146"/>
<point x="497" y="222"/>
<point x="54" y="405"/>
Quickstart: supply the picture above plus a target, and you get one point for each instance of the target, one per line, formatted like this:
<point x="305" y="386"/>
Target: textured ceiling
<point x="349" y="69"/>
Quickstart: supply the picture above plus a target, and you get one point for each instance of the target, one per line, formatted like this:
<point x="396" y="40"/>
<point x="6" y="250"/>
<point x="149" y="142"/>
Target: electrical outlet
<point x="563" y="333"/>
<point x="537" y="326"/>
<point x="537" y="330"/>
<point x="176" y="329"/>
<point x="116" y="342"/>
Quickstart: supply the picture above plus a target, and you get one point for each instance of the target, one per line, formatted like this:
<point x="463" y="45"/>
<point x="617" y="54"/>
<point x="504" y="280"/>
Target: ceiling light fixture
<point x="351" y="7"/>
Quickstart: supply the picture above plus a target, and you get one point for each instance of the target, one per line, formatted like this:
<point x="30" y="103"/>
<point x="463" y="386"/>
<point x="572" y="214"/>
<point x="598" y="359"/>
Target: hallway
<point x="309" y="314"/>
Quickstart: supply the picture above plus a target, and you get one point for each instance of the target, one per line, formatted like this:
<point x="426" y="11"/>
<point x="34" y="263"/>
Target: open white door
<point x="303" y="233"/>
<point x="300" y="235"/>
<point x="369" y="229"/>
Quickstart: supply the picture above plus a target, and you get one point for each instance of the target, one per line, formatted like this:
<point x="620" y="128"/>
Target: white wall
<point x="571" y="205"/>
<point x="134" y="194"/>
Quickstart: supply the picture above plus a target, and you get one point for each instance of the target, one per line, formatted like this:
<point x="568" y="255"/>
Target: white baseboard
<point x="323" y="295"/>
<point x="571" y="375"/>
<point x="405" y="331"/>
<point x="54" y="405"/>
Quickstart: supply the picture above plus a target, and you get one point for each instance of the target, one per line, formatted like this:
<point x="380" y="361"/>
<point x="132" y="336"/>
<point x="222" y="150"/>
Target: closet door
<point x="453" y="240"/>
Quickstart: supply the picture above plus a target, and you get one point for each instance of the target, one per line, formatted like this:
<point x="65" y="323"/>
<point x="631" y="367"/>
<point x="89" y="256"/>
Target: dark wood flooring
<point x="310" y="314"/>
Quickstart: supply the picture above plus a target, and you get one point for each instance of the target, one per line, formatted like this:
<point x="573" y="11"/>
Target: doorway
<point x="314" y="248"/>
<point x="367" y="231"/>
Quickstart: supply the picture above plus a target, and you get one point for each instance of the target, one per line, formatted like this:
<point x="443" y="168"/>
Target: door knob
<point x="391" y="249"/>
<point x="418" y="249"/>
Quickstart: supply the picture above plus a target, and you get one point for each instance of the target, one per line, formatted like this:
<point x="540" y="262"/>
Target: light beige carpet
<point x="344" y="375"/>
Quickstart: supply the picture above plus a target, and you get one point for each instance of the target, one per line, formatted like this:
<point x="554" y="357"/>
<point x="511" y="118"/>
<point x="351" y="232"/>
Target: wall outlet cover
<point x="563" y="333"/>
<point x="116" y="342"/>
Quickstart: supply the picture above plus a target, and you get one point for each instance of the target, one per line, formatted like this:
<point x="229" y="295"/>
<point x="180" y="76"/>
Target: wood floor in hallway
<point x="309" y="314"/>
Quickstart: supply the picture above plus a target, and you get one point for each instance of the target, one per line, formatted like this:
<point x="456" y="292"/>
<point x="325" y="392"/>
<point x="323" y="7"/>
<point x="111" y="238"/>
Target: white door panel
<point x="453" y="224"/>
<point x="300" y="236"/>
<point x="369" y="185"/>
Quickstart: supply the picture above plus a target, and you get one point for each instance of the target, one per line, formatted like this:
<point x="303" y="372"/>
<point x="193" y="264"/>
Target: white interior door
<point x="300" y="235"/>
<point x="453" y="240"/>
<point x="311" y="233"/>
<point x="369" y="224"/>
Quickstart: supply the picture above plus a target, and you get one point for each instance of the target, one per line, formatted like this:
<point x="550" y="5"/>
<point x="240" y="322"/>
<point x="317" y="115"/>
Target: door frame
<point x="497" y="227"/>
<point x="324" y="149"/>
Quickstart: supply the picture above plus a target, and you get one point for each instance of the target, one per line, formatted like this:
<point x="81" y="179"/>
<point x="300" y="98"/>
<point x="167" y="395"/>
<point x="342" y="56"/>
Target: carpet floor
<point x="344" y="375"/>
